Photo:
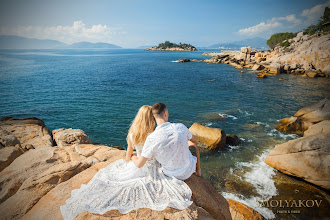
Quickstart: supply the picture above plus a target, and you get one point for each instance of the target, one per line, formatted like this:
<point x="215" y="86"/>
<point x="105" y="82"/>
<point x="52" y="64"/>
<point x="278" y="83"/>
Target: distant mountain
<point x="255" y="43"/>
<point x="88" y="45"/>
<point x="16" y="42"/>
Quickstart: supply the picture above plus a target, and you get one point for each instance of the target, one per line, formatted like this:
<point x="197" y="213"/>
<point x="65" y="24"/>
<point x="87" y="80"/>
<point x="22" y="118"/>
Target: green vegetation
<point x="323" y="25"/>
<point x="279" y="38"/>
<point x="168" y="44"/>
<point x="285" y="44"/>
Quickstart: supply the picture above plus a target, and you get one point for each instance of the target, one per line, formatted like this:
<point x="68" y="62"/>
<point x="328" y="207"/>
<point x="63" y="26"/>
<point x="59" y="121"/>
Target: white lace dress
<point x="123" y="186"/>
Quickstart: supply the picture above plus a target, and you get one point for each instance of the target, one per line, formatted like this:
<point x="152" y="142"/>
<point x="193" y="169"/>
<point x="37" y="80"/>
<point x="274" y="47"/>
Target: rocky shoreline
<point x="306" y="55"/>
<point x="40" y="168"/>
<point x="307" y="157"/>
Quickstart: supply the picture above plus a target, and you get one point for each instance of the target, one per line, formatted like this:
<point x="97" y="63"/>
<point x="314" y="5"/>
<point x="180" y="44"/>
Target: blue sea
<point x="100" y="91"/>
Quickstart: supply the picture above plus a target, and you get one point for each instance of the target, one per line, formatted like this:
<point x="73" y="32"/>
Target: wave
<point x="244" y="112"/>
<point x="276" y="133"/>
<point x="227" y="116"/>
<point x="261" y="177"/>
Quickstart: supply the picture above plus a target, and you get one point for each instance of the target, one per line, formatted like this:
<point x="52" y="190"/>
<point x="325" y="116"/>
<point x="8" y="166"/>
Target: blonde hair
<point x="142" y="125"/>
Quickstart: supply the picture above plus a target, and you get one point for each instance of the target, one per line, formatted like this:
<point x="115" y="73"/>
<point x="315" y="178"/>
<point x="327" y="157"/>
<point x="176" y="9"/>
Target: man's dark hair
<point x="158" y="108"/>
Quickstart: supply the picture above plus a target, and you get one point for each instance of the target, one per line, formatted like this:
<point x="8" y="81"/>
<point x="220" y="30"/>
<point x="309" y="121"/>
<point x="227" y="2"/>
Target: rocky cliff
<point x="40" y="169"/>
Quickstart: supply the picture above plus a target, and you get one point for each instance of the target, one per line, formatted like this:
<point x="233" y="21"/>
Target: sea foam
<point x="261" y="177"/>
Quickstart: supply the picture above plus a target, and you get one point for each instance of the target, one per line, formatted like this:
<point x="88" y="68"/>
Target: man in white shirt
<point x="169" y="145"/>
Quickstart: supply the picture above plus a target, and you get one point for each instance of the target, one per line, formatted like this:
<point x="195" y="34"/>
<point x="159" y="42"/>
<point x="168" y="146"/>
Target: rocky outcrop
<point x="39" y="181"/>
<point x="306" y="56"/>
<point x="211" y="138"/>
<point x="307" y="158"/>
<point x="239" y="211"/>
<point x="319" y="128"/>
<point x="29" y="132"/>
<point x="66" y="137"/>
<point x="306" y="117"/>
<point x="184" y="60"/>
<point x="35" y="173"/>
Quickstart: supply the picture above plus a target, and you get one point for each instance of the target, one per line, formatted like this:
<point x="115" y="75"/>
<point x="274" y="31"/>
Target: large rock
<point x="66" y="137"/>
<point x="319" y="128"/>
<point x="8" y="155"/>
<point x="275" y="69"/>
<point x="257" y="67"/>
<point x="307" y="158"/>
<point x="30" y="132"/>
<point x="208" y="203"/>
<point x="212" y="138"/>
<point x="306" y="117"/>
<point x="315" y="112"/>
<point x="33" y="174"/>
<point x="239" y="211"/>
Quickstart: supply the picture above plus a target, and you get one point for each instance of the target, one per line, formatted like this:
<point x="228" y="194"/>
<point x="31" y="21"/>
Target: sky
<point x="134" y="23"/>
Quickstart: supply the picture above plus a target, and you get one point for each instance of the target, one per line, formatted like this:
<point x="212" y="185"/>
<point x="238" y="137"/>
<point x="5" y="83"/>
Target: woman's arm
<point x="129" y="151"/>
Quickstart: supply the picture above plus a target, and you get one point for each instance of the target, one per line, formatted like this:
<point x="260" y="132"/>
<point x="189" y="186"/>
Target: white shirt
<point x="169" y="145"/>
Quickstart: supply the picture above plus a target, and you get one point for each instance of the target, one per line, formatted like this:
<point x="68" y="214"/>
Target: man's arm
<point x="194" y="142"/>
<point x="139" y="161"/>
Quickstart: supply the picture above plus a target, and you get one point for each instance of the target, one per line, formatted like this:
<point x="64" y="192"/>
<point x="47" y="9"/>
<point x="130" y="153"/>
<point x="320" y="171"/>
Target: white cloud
<point x="259" y="28"/>
<point x="68" y="34"/>
<point x="313" y="14"/>
<point x="290" y="18"/>
<point x="308" y="17"/>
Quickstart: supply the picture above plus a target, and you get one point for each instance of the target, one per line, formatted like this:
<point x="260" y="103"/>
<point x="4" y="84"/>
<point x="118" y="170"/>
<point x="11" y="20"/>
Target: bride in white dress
<point x="123" y="186"/>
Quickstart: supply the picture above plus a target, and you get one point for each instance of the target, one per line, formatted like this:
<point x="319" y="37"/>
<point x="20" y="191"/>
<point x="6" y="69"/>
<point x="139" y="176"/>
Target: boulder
<point x="32" y="175"/>
<point x="322" y="127"/>
<point x="257" y="67"/>
<point x="275" y="69"/>
<point x="232" y="140"/>
<point x="67" y="137"/>
<point x="306" y="117"/>
<point x="240" y="211"/>
<point x="212" y="138"/>
<point x="311" y="74"/>
<point x="27" y="131"/>
<point x="307" y="158"/>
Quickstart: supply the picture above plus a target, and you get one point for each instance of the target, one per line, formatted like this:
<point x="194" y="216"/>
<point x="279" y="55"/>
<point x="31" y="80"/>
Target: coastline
<point x="307" y="56"/>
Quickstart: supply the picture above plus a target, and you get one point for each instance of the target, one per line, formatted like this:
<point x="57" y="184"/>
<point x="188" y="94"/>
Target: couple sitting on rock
<point x="150" y="179"/>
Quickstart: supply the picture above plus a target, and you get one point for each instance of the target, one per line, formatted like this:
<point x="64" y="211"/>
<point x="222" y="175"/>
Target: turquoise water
<point x="100" y="91"/>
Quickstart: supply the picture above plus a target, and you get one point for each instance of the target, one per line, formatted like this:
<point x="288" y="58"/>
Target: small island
<point x="168" y="46"/>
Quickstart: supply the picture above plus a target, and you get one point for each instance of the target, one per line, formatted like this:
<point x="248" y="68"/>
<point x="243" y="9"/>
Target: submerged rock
<point x="212" y="138"/>
<point x="232" y="140"/>
<point x="184" y="60"/>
